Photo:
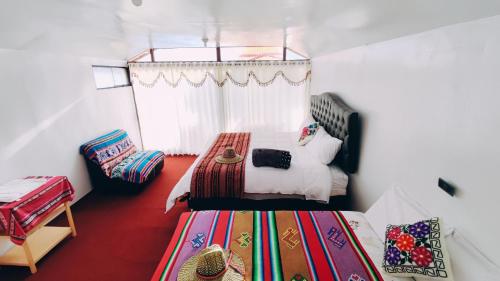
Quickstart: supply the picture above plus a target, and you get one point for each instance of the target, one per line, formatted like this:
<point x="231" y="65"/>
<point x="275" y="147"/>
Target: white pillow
<point x="395" y="206"/>
<point x="323" y="146"/>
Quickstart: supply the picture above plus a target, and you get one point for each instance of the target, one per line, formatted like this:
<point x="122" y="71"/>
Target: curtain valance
<point x="240" y="74"/>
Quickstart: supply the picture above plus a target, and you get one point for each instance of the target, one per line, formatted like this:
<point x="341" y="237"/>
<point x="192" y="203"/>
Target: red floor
<point x="119" y="237"/>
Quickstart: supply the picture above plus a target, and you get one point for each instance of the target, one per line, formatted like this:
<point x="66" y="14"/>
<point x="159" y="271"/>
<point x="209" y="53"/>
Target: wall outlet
<point x="447" y="187"/>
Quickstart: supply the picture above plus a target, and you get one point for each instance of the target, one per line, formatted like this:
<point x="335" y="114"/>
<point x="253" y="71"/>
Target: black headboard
<point x="342" y="122"/>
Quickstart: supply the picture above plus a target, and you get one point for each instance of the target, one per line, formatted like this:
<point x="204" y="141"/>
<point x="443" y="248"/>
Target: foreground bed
<point x="362" y="234"/>
<point x="280" y="245"/>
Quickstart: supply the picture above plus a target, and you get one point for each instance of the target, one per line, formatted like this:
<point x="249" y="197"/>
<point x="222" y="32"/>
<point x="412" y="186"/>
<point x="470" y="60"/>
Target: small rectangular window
<point x="110" y="77"/>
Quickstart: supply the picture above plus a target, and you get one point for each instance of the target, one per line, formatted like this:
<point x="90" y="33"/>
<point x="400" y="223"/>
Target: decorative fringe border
<point x="223" y="63"/>
<point x="197" y="84"/>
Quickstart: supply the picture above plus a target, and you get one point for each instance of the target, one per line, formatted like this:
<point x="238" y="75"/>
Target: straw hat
<point x="229" y="156"/>
<point x="213" y="263"/>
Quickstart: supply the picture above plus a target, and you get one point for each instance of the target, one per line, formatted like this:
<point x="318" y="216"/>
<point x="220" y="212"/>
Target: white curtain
<point x="279" y="106"/>
<point x="181" y="106"/>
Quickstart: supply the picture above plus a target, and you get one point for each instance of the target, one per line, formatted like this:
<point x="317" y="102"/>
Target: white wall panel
<point x="430" y="105"/>
<point x="49" y="105"/>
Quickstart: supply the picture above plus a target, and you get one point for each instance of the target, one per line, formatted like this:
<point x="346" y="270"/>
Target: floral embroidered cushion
<point x="308" y="133"/>
<point x="417" y="250"/>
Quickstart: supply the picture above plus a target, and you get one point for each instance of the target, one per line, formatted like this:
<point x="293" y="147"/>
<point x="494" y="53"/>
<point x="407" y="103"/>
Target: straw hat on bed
<point x="229" y="156"/>
<point x="213" y="263"/>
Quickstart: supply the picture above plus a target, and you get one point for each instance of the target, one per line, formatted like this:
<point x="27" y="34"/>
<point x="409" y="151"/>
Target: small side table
<point x="24" y="222"/>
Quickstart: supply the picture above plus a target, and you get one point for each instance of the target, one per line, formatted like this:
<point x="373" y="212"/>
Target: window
<point x="218" y="54"/>
<point x="144" y="58"/>
<point x="186" y="54"/>
<point x="110" y="77"/>
<point x="251" y="53"/>
<point x="292" y="55"/>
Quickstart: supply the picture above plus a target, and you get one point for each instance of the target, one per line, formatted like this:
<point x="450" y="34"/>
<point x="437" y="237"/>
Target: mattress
<point x="275" y="245"/>
<point x="306" y="178"/>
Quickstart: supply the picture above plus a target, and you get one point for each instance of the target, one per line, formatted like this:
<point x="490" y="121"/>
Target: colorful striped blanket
<point x="109" y="150"/>
<point x="214" y="180"/>
<point x="137" y="167"/>
<point x="275" y="245"/>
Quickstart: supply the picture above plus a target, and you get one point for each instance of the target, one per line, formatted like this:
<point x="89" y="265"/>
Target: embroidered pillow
<point x="417" y="250"/>
<point x="308" y="132"/>
<point x="308" y="120"/>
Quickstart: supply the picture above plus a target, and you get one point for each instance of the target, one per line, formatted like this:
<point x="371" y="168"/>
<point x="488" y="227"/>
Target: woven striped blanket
<point x="137" y="167"/>
<point x="109" y="150"/>
<point x="275" y="245"/>
<point x="214" y="180"/>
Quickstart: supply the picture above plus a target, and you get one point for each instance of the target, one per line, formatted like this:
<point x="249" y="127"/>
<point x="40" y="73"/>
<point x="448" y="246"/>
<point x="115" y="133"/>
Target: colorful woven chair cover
<point x="117" y="156"/>
<point x="137" y="167"/>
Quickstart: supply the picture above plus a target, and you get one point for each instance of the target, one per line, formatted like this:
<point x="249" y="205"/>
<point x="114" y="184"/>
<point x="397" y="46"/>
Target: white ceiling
<point x="117" y="29"/>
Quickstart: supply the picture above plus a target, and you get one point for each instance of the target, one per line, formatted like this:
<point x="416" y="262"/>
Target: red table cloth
<point x="17" y="218"/>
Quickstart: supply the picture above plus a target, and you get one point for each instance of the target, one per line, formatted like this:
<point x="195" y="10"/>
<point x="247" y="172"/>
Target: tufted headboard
<point x="342" y="122"/>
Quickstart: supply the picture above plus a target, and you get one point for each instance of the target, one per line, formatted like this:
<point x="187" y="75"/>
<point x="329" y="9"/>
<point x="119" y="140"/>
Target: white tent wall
<point x="49" y="106"/>
<point x="430" y="109"/>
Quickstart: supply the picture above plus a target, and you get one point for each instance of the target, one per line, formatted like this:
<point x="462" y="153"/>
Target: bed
<point x="281" y="245"/>
<point x="323" y="231"/>
<point x="307" y="178"/>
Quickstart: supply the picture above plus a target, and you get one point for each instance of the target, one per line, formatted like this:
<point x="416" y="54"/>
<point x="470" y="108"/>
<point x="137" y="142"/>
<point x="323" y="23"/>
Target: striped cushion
<point x="137" y="167"/>
<point x="109" y="150"/>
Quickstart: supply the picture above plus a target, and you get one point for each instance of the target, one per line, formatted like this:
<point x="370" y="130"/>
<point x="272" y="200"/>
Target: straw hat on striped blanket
<point x="229" y="156"/>
<point x="213" y="263"/>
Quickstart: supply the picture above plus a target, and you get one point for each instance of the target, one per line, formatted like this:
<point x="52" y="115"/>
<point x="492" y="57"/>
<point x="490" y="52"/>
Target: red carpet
<point x="119" y="237"/>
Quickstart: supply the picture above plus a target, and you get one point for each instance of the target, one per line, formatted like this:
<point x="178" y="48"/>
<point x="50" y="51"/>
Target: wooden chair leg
<point x="29" y="257"/>
<point x="70" y="219"/>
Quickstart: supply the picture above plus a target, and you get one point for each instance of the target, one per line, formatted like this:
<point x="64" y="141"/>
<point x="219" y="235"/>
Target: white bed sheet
<point x="306" y="176"/>
<point x="372" y="244"/>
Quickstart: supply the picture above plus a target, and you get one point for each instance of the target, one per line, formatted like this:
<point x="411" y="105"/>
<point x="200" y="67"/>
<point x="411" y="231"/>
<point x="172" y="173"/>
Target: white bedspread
<point x="306" y="176"/>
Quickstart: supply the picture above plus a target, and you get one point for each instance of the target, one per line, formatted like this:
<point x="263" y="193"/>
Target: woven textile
<point x="417" y="250"/>
<point x="19" y="217"/>
<point x="274" y="245"/>
<point x="137" y="167"/>
<point x="109" y="150"/>
<point x="215" y="180"/>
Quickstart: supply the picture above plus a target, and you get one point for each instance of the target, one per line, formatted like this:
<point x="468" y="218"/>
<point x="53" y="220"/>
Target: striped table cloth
<point x="275" y="245"/>
<point x="19" y="217"/>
